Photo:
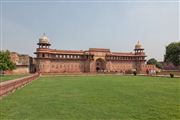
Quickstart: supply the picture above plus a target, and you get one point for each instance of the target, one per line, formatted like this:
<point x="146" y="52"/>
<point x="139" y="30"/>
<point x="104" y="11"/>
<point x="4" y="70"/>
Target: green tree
<point x="173" y="53"/>
<point x="5" y="61"/>
<point x="153" y="61"/>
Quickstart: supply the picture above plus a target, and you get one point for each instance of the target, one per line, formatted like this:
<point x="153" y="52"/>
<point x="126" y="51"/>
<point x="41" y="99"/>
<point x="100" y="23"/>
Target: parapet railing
<point x="11" y="85"/>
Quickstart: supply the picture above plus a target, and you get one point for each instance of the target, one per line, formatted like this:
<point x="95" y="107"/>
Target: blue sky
<point x="81" y="25"/>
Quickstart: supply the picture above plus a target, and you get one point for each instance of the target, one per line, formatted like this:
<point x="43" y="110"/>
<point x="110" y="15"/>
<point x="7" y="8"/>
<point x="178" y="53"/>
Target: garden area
<point x="94" y="97"/>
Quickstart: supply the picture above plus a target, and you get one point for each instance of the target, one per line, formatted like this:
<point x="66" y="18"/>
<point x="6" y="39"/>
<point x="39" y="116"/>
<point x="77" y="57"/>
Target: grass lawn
<point x="95" y="97"/>
<point x="10" y="77"/>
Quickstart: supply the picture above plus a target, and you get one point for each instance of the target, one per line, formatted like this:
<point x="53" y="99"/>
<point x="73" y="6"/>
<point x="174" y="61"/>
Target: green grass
<point x="10" y="77"/>
<point x="95" y="97"/>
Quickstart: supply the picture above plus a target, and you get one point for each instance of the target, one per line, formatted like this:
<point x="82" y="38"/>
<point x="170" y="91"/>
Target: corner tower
<point x="44" y="46"/>
<point x="42" y="55"/>
<point x="139" y="57"/>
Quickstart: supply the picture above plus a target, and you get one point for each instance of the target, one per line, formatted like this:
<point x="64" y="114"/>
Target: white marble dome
<point x="44" y="39"/>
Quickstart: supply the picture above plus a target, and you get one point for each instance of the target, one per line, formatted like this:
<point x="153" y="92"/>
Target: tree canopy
<point x="5" y="61"/>
<point x="173" y="53"/>
<point x="153" y="61"/>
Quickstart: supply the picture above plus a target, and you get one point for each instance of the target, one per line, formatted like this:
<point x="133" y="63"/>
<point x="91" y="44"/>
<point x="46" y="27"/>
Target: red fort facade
<point x="88" y="61"/>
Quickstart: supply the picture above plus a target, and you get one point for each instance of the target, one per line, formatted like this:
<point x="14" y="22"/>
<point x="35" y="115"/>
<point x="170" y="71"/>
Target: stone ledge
<point x="11" y="85"/>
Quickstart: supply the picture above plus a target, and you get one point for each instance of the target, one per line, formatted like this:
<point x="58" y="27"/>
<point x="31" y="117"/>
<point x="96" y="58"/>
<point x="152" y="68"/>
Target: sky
<point x="80" y="25"/>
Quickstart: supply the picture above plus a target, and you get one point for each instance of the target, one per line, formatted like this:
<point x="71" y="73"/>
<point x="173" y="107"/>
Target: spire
<point x="138" y="42"/>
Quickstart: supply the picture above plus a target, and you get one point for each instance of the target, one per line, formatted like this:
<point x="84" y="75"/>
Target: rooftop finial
<point x="138" y="42"/>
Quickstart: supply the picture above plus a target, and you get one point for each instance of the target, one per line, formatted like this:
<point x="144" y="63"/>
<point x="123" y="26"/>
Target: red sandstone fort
<point x="94" y="60"/>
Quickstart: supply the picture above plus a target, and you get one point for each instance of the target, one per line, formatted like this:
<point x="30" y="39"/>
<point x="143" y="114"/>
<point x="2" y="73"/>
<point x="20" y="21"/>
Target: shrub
<point x="135" y="73"/>
<point x="171" y="75"/>
<point x="147" y="72"/>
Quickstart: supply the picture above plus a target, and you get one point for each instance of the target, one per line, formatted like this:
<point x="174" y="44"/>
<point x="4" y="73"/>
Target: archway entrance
<point x="100" y="65"/>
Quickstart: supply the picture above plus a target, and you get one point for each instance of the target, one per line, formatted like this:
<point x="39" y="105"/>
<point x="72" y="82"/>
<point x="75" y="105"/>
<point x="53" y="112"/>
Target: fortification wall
<point x="63" y="66"/>
<point x="116" y="66"/>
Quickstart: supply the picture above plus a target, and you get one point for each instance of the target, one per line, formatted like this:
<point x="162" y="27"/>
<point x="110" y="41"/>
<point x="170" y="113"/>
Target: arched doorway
<point x="100" y="65"/>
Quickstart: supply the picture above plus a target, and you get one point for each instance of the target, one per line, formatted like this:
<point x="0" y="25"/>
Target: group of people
<point x="151" y="72"/>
